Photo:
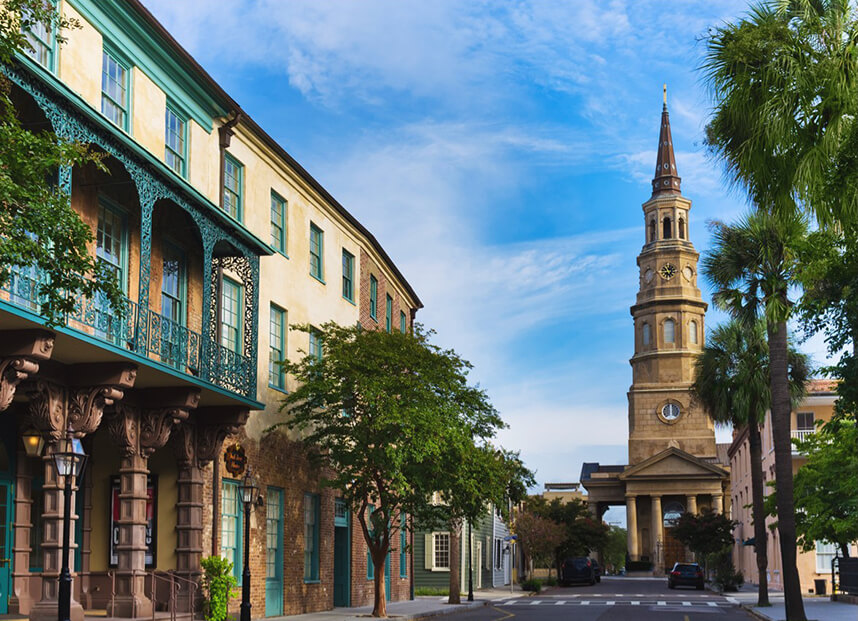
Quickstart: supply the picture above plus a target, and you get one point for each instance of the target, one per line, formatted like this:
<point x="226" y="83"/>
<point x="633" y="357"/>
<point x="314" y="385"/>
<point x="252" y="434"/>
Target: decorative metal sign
<point x="235" y="459"/>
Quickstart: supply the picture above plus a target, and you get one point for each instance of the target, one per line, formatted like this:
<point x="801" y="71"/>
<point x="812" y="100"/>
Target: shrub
<point x="532" y="585"/>
<point x="551" y="581"/>
<point x="219" y="585"/>
<point x="436" y="591"/>
<point x="726" y="576"/>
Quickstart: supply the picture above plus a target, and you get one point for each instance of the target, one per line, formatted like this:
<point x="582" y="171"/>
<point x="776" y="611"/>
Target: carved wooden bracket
<point x="201" y="441"/>
<point x="143" y="423"/>
<point x="20" y="354"/>
<point x="48" y="408"/>
<point x="96" y="386"/>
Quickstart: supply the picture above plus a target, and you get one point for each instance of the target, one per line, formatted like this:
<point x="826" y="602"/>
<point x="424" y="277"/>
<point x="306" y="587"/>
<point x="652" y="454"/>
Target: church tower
<point x="668" y="316"/>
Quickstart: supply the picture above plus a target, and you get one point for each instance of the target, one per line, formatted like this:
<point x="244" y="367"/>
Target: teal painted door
<point x="342" y="561"/>
<point x="387" y="593"/>
<point x="274" y="553"/>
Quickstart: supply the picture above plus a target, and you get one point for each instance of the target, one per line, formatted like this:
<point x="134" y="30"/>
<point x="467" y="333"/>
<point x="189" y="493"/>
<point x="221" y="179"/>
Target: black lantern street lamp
<point x="69" y="461"/>
<point x="249" y="493"/>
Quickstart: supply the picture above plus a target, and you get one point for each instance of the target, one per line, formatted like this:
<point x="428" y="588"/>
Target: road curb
<point x="754" y="613"/>
<point x="442" y="611"/>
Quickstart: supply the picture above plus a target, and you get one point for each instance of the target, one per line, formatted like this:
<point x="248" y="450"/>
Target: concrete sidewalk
<point x="815" y="608"/>
<point x="422" y="607"/>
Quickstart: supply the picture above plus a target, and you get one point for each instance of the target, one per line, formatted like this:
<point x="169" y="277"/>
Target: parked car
<point x="596" y="569"/>
<point x="685" y="574"/>
<point x="577" y="569"/>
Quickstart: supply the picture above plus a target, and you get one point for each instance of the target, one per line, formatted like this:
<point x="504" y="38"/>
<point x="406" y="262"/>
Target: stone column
<point x="21" y="600"/>
<point x="632" y="524"/>
<point x="657" y="534"/>
<point x="691" y="504"/>
<point x="718" y="503"/>
<point x="139" y="432"/>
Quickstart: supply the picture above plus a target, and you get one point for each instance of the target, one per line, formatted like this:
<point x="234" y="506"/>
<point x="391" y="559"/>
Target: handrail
<point x="170" y="577"/>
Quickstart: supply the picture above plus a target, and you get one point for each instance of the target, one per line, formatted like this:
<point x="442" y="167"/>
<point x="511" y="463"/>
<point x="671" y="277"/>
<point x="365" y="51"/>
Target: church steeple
<point x="666" y="179"/>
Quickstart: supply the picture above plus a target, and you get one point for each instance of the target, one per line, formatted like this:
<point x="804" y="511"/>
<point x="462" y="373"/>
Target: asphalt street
<point x="614" y="599"/>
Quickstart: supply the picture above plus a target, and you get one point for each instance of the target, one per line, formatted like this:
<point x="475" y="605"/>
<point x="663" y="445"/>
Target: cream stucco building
<point x="674" y="464"/>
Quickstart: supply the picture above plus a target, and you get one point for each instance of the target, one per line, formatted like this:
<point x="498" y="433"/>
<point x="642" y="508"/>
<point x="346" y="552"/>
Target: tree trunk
<point x="379" y="605"/>
<point x="758" y="492"/>
<point x="844" y="549"/>
<point x="781" y="407"/>
<point x="455" y="562"/>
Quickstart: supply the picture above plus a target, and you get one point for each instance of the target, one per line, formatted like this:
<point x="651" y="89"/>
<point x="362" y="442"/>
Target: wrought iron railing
<point x="164" y="340"/>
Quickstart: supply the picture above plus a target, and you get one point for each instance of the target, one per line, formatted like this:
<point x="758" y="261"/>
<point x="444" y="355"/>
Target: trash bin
<point x="819" y="586"/>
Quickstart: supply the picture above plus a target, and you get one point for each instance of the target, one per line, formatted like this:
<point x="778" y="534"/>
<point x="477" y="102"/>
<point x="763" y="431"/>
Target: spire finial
<point x="666" y="179"/>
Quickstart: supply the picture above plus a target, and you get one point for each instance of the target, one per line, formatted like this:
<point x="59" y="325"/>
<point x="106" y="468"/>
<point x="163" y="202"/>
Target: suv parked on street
<point x="685" y="574"/>
<point x="577" y="569"/>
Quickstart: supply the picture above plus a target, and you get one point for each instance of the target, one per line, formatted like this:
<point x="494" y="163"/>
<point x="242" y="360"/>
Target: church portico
<point x="675" y="465"/>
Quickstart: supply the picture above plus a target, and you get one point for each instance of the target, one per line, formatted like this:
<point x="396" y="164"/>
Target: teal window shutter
<point x="279" y="225"/>
<point x="348" y="275"/>
<point x="311" y="537"/>
<point x="317" y="248"/>
<point x="388" y="313"/>
<point x="373" y="298"/>
<point x="277" y="347"/>
<point x="403" y="544"/>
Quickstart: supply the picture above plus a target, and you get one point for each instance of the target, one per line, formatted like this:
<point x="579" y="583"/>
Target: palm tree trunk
<point x="758" y="492"/>
<point x="455" y="562"/>
<point x="779" y="384"/>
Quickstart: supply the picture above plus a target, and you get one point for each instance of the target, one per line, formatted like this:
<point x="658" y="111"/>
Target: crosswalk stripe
<point x="662" y="603"/>
<point x="536" y="603"/>
<point x="560" y="603"/>
<point x="636" y="603"/>
<point x="585" y="603"/>
<point x="712" y="603"/>
<point x="610" y="603"/>
<point x="686" y="603"/>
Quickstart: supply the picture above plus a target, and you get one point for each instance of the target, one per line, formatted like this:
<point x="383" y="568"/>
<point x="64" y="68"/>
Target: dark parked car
<point x="685" y="574"/>
<point x="597" y="569"/>
<point x="577" y="569"/>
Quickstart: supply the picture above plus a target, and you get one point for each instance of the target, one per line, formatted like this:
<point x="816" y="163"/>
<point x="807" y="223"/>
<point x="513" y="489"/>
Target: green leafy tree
<point x="382" y="411"/>
<point x="732" y="384"/>
<point x="614" y="550"/>
<point x="826" y="486"/>
<point x="753" y="265"/>
<point x="582" y="533"/>
<point x="706" y="533"/>
<point x="39" y="227"/>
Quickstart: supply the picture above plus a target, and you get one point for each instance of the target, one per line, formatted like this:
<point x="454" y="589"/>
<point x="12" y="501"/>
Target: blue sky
<point x="500" y="152"/>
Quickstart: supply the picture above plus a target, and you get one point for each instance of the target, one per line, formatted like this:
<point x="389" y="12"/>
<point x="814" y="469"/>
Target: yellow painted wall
<point x="149" y="104"/>
<point x="80" y="59"/>
<point x="204" y="161"/>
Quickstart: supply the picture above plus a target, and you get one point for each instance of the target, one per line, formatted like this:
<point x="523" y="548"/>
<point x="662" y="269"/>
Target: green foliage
<point x="550" y="581"/>
<point x="533" y="584"/>
<point x="39" y="226"/>
<point x="219" y="585"/>
<point x="705" y="533"/>
<point x="394" y="421"/>
<point x="434" y="591"/>
<point x="727" y="578"/>
<point x="826" y="486"/>
<point x="614" y="552"/>
<point x="581" y="533"/>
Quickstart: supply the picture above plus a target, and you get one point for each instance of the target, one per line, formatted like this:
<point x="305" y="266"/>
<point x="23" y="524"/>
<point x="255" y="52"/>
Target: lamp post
<point x="249" y="493"/>
<point x="33" y="443"/>
<point x="69" y="460"/>
<point x="470" y="569"/>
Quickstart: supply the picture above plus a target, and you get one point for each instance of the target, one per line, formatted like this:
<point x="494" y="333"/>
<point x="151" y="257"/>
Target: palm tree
<point x="732" y="384"/>
<point x="752" y="265"/>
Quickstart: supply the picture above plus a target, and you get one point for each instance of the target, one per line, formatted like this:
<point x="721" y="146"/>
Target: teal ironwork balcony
<point x="165" y="341"/>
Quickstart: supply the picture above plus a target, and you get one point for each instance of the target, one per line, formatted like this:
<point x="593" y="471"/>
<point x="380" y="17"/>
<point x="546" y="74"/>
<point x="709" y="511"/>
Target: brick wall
<point x="363" y="590"/>
<point x="368" y="267"/>
<point x="280" y="462"/>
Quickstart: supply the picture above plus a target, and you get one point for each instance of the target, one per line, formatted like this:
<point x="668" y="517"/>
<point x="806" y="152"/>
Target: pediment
<point x="673" y="463"/>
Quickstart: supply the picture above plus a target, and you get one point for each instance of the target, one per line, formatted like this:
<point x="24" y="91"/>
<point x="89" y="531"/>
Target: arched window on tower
<point x="692" y="332"/>
<point x="646" y="334"/>
<point x="652" y="230"/>
<point x="666" y="232"/>
<point x="669" y="331"/>
<point x="681" y="228"/>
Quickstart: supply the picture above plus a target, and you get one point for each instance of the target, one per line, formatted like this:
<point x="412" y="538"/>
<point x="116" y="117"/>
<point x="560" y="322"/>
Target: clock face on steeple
<point x="667" y="271"/>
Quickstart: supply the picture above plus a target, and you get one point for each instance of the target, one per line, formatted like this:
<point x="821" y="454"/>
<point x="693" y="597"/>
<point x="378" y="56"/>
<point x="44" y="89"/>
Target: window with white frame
<point x="114" y="89"/>
<point x="441" y="550"/>
<point x="825" y="553"/>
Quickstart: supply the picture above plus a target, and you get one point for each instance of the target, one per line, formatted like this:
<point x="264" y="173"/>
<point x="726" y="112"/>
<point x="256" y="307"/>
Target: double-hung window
<point x="277" y="348"/>
<point x="440" y="550"/>
<point x="111" y="251"/>
<point x="316" y="350"/>
<point x="114" y="89"/>
<point x="175" y="141"/>
<point x="402" y="322"/>
<point x="317" y="247"/>
<point x="311" y="537"/>
<point x="173" y="287"/>
<point x="230" y="526"/>
<point x="278" y="222"/>
<point x="373" y="298"/>
<point x="233" y="180"/>
<point x="825" y="553"/>
<point x="388" y="313"/>
<point x="41" y="38"/>
<point x="348" y="275"/>
<point x="230" y="315"/>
